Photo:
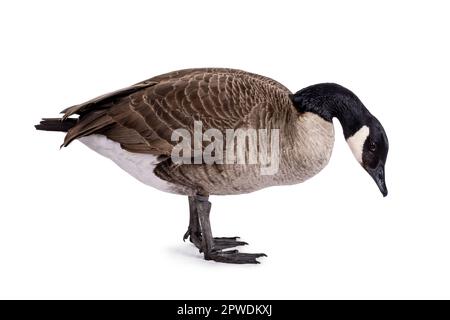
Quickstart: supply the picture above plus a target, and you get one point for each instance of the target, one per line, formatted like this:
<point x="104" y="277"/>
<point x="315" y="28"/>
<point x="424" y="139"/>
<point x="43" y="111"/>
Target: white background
<point x="73" y="225"/>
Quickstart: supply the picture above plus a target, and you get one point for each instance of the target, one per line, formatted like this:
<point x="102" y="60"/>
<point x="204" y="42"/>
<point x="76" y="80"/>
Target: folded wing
<point x="142" y="117"/>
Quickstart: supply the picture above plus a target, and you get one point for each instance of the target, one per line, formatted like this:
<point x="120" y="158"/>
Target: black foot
<point x="234" y="256"/>
<point x="187" y="234"/>
<point x="194" y="237"/>
<point x="226" y="243"/>
<point x="220" y="243"/>
<point x="199" y="233"/>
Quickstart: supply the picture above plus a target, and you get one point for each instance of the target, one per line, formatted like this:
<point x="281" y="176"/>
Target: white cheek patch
<point x="356" y="142"/>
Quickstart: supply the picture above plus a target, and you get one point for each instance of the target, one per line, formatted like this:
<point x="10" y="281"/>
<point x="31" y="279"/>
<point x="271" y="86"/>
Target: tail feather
<point x="56" y="124"/>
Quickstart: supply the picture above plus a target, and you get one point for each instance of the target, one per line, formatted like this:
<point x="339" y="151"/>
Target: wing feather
<point x="142" y="117"/>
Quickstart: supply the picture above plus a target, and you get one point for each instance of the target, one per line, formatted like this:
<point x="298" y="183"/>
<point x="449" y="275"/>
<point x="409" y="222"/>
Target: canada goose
<point x="135" y="128"/>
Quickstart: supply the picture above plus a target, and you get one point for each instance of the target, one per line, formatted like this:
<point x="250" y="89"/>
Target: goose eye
<point x="372" y="146"/>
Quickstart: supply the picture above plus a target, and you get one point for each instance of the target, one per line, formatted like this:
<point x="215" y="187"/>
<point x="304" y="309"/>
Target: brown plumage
<point x="142" y="117"/>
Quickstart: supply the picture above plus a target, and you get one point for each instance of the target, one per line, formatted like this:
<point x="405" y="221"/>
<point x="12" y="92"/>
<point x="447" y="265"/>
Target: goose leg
<point x="193" y="232"/>
<point x="195" y="236"/>
<point x="211" y="247"/>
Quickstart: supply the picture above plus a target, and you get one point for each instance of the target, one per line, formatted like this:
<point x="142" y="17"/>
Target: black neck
<point x="329" y="100"/>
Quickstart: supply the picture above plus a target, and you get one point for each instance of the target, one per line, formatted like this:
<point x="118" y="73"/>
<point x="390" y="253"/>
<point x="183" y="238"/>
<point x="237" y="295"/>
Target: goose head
<point x="369" y="145"/>
<point x="363" y="132"/>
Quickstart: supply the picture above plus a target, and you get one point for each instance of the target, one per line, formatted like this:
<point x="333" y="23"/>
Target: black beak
<point x="378" y="176"/>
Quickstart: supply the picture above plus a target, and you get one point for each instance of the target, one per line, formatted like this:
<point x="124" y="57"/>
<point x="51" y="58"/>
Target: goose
<point x="135" y="128"/>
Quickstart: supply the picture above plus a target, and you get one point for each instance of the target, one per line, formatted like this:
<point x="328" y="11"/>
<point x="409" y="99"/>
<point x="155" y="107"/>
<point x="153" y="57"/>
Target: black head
<point x="374" y="153"/>
<point x="364" y="133"/>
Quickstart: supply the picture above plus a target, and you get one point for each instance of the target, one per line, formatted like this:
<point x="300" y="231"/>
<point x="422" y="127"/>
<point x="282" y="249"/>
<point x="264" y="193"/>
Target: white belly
<point x="139" y="165"/>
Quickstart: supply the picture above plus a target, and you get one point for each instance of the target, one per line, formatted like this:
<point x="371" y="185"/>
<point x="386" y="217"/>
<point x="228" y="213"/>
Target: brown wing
<point x="142" y="117"/>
